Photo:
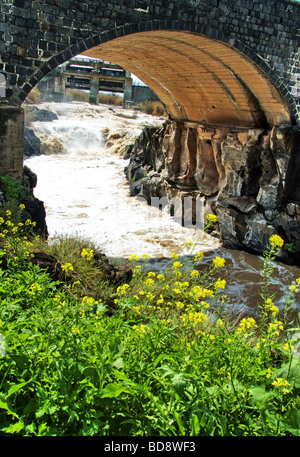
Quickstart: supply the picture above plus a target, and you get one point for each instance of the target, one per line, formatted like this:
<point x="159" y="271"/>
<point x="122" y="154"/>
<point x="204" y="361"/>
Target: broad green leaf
<point x="42" y="411"/>
<point x="114" y="389"/>
<point x="42" y="428"/>
<point x="179" y="422"/>
<point x="195" y="425"/>
<point x="17" y="387"/>
<point x="15" y="428"/>
<point x="119" y="363"/>
<point x="292" y="422"/>
<point x="178" y="383"/>
<point x="161" y="357"/>
<point x="4" y="405"/>
<point x="259" y="395"/>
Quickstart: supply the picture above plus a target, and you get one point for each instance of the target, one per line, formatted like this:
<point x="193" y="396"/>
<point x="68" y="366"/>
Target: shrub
<point x="77" y="95"/>
<point x="155" y="108"/>
<point x="168" y="359"/>
<point x="110" y="99"/>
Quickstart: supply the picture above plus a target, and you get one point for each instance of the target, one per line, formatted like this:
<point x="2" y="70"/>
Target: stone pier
<point x="11" y="140"/>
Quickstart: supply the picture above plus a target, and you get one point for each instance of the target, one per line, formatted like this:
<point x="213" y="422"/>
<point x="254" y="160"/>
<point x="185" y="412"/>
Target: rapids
<point x="82" y="183"/>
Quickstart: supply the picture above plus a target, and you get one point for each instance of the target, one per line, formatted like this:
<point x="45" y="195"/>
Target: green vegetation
<point x="160" y="355"/>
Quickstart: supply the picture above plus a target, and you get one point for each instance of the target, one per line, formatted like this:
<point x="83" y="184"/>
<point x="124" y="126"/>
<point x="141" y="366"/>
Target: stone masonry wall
<point x="37" y="36"/>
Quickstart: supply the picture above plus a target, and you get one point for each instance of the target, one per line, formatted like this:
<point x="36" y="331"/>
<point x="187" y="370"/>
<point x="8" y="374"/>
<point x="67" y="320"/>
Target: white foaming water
<point x="85" y="192"/>
<point x="82" y="183"/>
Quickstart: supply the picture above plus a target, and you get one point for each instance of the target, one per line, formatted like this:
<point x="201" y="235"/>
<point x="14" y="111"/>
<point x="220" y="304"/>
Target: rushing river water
<point x="83" y="186"/>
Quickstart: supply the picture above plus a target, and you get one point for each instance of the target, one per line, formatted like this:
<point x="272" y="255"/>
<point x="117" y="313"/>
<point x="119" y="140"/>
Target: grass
<point x="158" y="356"/>
<point x="110" y="99"/>
<point x="155" y="108"/>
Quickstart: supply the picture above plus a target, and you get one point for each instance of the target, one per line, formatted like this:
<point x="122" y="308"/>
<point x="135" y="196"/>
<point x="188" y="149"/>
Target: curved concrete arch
<point x="199" y="74"/>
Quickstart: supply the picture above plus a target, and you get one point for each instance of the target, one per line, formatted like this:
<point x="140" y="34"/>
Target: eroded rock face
<point x="248" y="177"/>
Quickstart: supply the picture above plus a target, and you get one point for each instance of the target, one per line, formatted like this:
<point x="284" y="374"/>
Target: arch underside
<point x="199" y="79"/>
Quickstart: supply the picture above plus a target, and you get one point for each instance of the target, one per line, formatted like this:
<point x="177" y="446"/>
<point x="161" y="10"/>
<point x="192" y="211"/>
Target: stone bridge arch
<point x="201" y="75"/>
<point x="239" y="70"/>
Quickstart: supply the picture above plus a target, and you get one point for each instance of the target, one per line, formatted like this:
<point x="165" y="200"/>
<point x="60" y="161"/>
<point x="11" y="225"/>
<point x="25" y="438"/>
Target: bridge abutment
<point x="11" y="141"/>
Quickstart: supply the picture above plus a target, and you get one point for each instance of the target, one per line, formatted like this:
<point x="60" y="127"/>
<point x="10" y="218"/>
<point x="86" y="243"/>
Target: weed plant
<point x="167" y="359"/>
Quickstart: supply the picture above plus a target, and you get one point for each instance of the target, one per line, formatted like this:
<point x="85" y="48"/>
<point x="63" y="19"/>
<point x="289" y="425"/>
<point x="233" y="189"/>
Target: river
<point x="82" y="184"/>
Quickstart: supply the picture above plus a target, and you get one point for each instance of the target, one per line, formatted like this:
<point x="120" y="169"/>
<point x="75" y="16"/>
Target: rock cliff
<point x="248" y="177"/>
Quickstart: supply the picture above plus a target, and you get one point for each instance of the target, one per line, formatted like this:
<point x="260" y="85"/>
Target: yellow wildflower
<point x="195" y="274"/>
<point x="174" y="256"/>
<point x="220" y="323"/>
<point x="123" y="289"/>
<point x="21" y="206"/>
<point x="198" y="257"/>
<point x="269" y="373"/>
<point x="218" y="262"/>
<point x="189" y="242"/>
<point x="76" y="330"/>
<point x="275" y="327"/>
<point x="161" y="277"/>
<point x="67" y="268"/>
<point x="276" y="241"/>
<point x="245" y="325"/>
<point x="35" y="288"/>
<point x="211" y="218"/>
<point x="287" y="347"/>
<point x="87" y="254"/>
<point x="88" y="301"/>
<point x="193" y="318"/>
<point x="220" y="284"/>
<point x="177" y="264"/>
<point x="269" y="306"/>
<point x="198" y="292"/>
<point x="160" y="300"/>
<point x="177" y="291"/>
<point x="280" y="382"/>
<point x="140" y="329"/>
<point x="151" y="274"/>
<point x="293" y="288"/>
<point x="134" y="257"/>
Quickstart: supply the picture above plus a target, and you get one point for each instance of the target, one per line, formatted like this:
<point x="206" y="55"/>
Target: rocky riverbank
<point x="248" y="178"/>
